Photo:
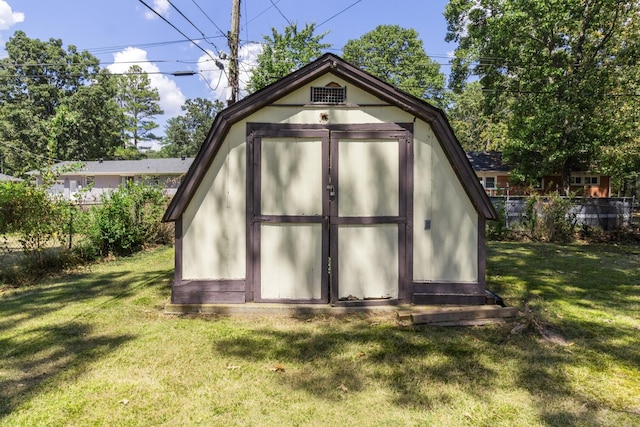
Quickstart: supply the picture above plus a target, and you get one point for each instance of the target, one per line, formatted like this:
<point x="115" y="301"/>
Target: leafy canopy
<point x="396" y="55"/>
<point x="284" y="53"/>
<point x="55" y="104"/>
<point x="559" y="62"/>
<point x="186" y="133"/>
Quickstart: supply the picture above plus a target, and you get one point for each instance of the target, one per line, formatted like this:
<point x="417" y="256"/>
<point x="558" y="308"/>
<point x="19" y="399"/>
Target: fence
<point x="606" y="213"/>
<point x="66" y="236"/>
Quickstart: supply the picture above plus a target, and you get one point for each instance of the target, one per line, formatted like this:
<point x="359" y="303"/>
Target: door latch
<point x="331" y="190"/>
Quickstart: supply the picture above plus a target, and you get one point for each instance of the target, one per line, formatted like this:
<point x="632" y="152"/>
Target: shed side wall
<point x="448" y="250"/>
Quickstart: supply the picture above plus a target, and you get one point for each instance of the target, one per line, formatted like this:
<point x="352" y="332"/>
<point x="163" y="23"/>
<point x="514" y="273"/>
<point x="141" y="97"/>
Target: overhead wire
<point x="281" y="14"/>
<point x="226" y="36"/>
<point x="216" y="61"/>
<point x="339" y="13"/>
<point x="204" y="37"/>
<point x="182" y="33"/>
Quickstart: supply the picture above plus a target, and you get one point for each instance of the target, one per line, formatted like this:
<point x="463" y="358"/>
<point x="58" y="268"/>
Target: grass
<point x="94" y="348"/>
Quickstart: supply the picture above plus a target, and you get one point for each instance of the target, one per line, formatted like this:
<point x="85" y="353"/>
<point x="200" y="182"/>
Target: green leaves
<point x="284" y="53"/>
<point x="396" y="55"/>
<point x="56" y="105"/>
<point x="186" y="133"/>
<point x="557" y="63"/>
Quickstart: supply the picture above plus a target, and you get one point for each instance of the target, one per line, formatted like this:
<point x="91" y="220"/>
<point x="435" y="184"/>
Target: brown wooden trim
<point x="408" y="282"/>
<point x="334" y="286"/>
<point x="435" y="288"/>
<point x="177" y="272"/>
<point x="366" y="303"/>
<point x="326" y="212"/>
<point x="312" y="129"/>
<point x="432" y="299"/>
<point x="289" y="219"/>
<point x="209" y="292"/>
<point x="369" y="220"/>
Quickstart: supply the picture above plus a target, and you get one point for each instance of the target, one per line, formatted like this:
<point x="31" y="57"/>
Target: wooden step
<point x="470" y="315"/>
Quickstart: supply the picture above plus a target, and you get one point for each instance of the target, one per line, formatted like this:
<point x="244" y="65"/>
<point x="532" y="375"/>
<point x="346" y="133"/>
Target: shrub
<point x="34" y="216"/>
<point x="549" y="219"/>
<point x="128" y="219"/>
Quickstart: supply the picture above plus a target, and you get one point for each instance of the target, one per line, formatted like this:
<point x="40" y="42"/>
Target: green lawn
<point x="94" y="348"/>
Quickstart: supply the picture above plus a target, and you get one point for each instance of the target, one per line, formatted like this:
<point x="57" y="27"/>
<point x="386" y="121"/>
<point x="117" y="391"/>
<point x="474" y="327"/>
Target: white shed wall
<point x="214" y="227"/>
<point x="448" y="250"/>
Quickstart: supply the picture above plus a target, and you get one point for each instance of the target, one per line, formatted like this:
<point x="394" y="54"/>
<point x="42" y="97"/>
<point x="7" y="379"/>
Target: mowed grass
<point x="94" y="348"/>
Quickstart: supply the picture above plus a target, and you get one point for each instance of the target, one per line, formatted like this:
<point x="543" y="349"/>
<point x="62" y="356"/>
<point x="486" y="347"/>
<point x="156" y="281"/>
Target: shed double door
<point x="328" y="213"/>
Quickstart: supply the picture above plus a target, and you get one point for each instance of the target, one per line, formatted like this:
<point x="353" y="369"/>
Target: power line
<point x="183" y="34"/>
<point x="281" y="14"/>
<point x="339" y="13"/>
<point x="193" y="25"/>
<point x="210" y="20"/>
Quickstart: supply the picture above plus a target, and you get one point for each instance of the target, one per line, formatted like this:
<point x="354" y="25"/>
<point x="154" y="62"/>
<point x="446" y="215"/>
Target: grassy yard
<point x="94" y="348"/>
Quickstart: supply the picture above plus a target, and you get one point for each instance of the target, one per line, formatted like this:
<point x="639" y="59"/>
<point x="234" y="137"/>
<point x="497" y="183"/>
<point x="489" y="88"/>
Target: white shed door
<point x="327" y="214"/>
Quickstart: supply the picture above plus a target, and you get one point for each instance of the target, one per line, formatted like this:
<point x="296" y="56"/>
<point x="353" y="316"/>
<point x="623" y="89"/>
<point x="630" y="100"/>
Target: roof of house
<point x="329" y="63"/>
<point x="7" y="178"/>
<point x="487" y="161"/>
<point x="172" y="166"/>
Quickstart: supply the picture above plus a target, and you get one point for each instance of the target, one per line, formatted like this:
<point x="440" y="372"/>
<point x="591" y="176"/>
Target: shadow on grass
<point x="38" y="301"/>
<point x="52" y="353"/>
<point x="588" y="292"/>
<point x="41" y="342"/>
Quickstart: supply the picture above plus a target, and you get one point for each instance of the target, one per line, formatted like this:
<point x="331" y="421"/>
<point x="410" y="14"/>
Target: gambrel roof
<point x="334" y="65"/>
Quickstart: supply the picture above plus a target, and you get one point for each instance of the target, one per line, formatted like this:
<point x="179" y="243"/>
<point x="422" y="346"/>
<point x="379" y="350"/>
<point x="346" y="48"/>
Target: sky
<point x="121" y="33"/>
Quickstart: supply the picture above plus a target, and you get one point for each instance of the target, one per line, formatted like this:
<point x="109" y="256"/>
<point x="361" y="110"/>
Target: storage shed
<point x="332" y="187"/>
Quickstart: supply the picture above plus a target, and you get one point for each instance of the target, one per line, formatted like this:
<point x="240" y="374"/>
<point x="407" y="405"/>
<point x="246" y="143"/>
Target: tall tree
<point x="397" y="56"/>
<point x="43" y="89"/>
<point x="560" y="61"/>
<point x="140" y="103"/>
<point x="285" y="53"/>
<point x="185" y="134"/>
<point x="475" y="128"/>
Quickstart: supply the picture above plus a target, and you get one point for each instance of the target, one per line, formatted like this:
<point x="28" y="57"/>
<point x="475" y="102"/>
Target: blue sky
<point x="125" y="32"/>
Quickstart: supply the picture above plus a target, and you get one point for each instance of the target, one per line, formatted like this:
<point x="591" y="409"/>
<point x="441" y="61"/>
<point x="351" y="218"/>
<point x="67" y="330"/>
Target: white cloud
<point x="160" y="6"/>
<point x="8" y="18"/>
<point x="217" y="80"/>
<point x="171" y="97"/>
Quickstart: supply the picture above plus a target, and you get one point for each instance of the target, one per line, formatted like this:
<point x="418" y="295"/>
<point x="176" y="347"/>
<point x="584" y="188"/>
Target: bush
<point x="34" y="216"/>
<point x="128" y="219"/>
<point x="549" y="219"/>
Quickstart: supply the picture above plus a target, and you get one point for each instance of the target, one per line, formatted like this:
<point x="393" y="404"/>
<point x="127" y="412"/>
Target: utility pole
<point x="234" y="42"/>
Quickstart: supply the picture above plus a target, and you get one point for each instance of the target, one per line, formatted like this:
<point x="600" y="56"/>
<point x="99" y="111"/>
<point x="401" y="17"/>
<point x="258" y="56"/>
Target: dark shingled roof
<point x="487" y="161"/>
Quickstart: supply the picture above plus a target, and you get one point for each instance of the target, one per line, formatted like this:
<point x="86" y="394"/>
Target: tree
<point x="185" y="134"/>
<point x="476" y="129"/>
<point x="140" y="103"/>
<point x="396" y="55"/>
<point x="55" y="104"/>
<point x="560" y="62"/>
<point x="285" y="53"/>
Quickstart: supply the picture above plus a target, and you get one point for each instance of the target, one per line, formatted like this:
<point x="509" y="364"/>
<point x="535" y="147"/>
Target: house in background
<point x="493" y="174"/>
<point x="87" y="181"/>
<point x="8" y="178"/>
<point x="329" y="186"/>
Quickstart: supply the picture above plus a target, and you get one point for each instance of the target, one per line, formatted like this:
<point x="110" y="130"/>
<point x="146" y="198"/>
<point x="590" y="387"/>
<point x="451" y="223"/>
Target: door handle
<point x="327" y="221"/>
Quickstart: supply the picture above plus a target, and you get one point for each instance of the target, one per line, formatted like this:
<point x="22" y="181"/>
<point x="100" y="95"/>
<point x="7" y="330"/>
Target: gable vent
<point x="329" y="95"/>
